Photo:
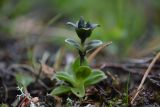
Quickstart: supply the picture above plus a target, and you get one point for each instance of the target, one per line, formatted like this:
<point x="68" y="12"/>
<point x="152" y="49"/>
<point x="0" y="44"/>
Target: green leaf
<point x="66" y="77"/>
<point x="76" y="63"/>
<point x="24" y="79"/>
<point x="79" y="91"/>
<point x="61" y="90"/>
<point x="95" y="77"/>
<point x="73" y="43"/>
<point x="83" y="72"/>
<point x="92" y="45"/>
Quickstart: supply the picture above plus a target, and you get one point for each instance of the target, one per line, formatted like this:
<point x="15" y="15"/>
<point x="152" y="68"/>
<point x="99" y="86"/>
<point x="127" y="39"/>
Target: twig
<point x="145" y="76"/>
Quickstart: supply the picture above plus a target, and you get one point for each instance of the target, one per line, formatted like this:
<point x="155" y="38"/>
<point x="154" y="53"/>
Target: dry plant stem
<point x="92" y="56"/>
<point x="19" y="66"/>
<point x="39" y="74"/>
<point x="145" y="76"/>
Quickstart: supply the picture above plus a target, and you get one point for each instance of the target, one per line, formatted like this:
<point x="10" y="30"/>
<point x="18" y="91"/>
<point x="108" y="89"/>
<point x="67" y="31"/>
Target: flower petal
<point x="88" y="25"/>
<point x="93" y="26"/>
<point x="81" y="23"/>
<point x="72" y="24"/>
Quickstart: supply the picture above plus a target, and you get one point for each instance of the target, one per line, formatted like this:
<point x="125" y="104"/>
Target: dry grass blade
<point x="59" y="58"/>
<point x="145" y="76"/>
<point x="92" y="56"/>
<point x="48" y="71"/>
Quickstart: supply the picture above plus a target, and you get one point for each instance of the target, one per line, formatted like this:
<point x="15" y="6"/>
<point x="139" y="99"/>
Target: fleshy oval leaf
<point x="79" y="91"/>
<point x="83" y="72"/>
<point x="95" y="77"/>
<point x="66" y="77"/>
<point x="76" y="63"/>
<point x="60" y="90"/>
<point x="92" y="45"/>
<point x="73" y="43"/>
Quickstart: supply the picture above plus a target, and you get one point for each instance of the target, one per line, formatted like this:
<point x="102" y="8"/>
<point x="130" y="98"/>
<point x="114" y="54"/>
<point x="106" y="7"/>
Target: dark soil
<point x="115" y="91"/>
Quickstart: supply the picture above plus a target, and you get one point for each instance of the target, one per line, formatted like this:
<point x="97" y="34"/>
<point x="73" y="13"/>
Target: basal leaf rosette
<point x="78" y="80"/>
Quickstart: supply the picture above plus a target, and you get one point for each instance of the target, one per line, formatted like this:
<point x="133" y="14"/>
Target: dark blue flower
<point x="83" y="29"/>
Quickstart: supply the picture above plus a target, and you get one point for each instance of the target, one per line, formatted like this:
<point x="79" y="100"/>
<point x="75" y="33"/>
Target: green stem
<point x="82" y="55"/>
<point x="82" y="52"/>
<point x="82" y="41"/>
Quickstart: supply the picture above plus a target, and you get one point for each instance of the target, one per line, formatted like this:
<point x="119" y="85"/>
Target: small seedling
<point x="79" y="75"/>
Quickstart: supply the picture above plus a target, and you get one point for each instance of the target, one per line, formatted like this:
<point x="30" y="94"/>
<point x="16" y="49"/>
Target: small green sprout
<point x="79" y="75"/>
